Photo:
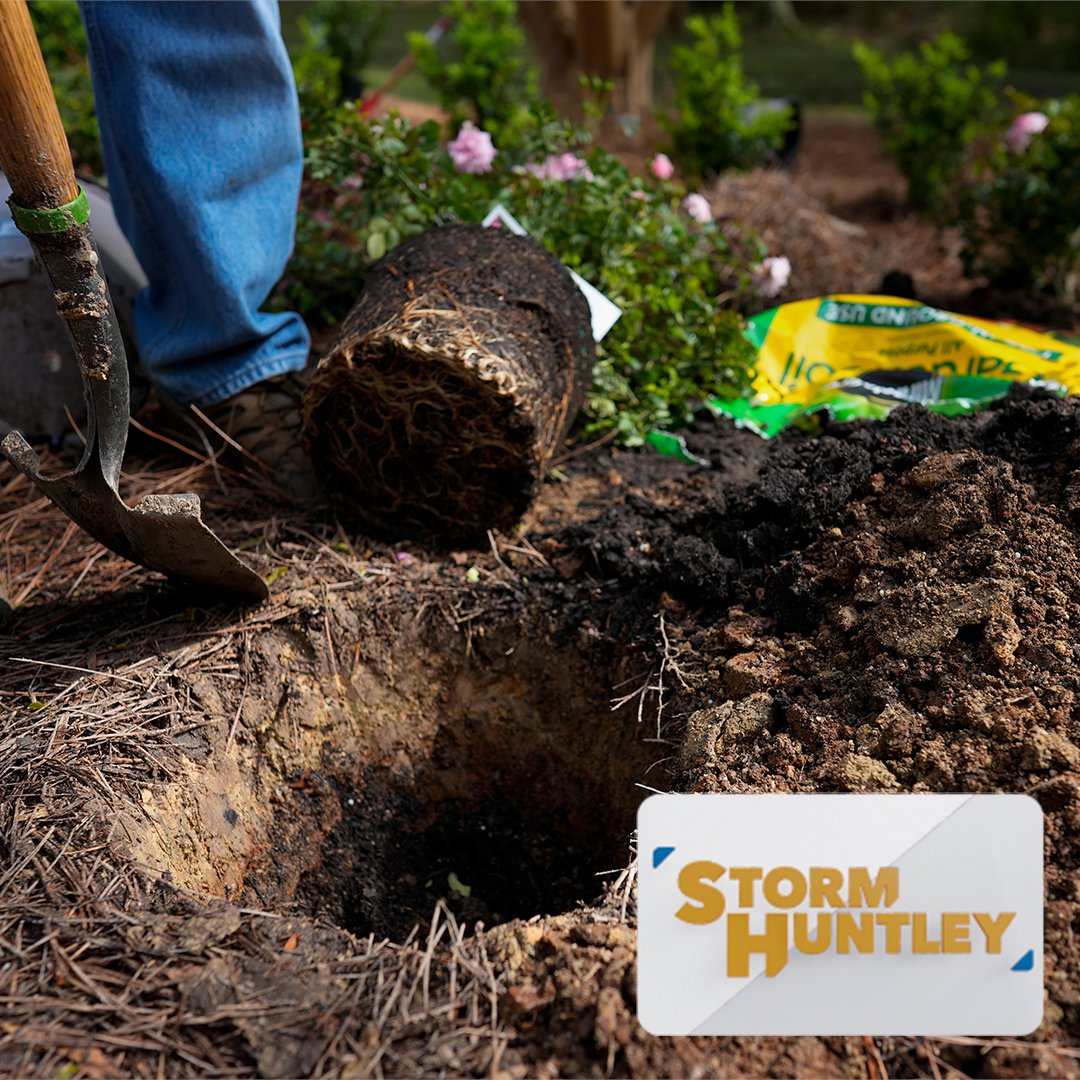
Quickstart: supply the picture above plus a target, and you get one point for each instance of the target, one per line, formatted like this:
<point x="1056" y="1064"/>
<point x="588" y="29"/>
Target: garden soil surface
<point x="383" y="824"/>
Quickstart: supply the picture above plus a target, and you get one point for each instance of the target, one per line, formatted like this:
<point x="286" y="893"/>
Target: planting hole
<point x="502" y="783"/>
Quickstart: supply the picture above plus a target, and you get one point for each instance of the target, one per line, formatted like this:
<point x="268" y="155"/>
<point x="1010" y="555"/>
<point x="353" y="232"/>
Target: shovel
<point x="162" y="532"/>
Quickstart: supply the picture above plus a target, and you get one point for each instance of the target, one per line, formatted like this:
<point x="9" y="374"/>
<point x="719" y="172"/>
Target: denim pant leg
<point x="200" y="129"/>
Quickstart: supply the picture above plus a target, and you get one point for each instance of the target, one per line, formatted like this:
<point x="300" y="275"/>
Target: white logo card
<point x="840" y="914"/>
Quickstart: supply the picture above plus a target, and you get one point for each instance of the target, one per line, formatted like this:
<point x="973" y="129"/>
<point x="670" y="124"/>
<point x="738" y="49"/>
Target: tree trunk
<point x="614" y="39"/>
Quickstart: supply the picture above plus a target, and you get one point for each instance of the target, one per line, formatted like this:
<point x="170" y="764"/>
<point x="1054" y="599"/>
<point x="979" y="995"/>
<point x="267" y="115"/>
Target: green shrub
<point x="382" y="182"/>
<point x="1020" y="215"/>
<point x="350" y="30"/>
<point x="317" y="72"/>
<point x="477" y="66"/>
<point x="717" y="127"/>
<point x="63" y="44"/>
<point x="929" y="107"/>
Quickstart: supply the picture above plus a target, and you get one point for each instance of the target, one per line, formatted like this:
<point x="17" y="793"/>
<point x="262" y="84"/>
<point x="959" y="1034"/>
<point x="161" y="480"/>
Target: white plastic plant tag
<point x="604" y="313"/>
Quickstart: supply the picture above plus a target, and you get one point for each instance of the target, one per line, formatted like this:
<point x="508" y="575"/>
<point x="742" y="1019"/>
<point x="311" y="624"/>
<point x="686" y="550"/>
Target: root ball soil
<point x="451" y="384"/>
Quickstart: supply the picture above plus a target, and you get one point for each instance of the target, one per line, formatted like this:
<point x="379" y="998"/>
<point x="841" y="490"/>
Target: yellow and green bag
<point x="861" y="356"/>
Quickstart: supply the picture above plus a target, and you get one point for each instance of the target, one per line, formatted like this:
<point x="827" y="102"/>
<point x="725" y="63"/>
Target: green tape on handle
<point x="60" y="220"/>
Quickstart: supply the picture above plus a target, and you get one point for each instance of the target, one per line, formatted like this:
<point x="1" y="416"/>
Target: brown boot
<point x="263" y="424"/>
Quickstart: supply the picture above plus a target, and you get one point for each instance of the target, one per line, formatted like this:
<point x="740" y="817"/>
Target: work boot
<point x="264" y="420"/>
<point x="262" y="423"/>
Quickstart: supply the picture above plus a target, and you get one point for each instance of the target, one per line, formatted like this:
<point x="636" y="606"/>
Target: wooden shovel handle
<point x="33" y="147"/>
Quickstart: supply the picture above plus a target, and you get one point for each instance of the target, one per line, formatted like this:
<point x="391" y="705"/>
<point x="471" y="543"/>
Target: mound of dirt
<point x="827" y="253"/>
<point x="220" y="828"/>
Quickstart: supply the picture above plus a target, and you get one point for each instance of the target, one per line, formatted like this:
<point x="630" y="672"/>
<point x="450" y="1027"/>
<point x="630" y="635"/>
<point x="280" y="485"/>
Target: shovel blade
<point x="162" y="532"/>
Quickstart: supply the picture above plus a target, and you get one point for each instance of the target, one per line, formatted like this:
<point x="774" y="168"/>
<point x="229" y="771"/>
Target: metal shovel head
<point x="162" y="532"/>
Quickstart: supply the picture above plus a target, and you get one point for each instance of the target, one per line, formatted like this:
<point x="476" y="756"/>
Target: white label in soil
<point x="840" y="915"/>
<point x="604" y="313"/>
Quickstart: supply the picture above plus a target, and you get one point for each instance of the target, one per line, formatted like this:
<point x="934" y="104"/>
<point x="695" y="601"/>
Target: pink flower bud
<point x="772" y="275"/>
<point x="1023" y="128"/>
<point x="661" y="167"/>
<point x="472" y="151"/>
<point x="566" y="166"/>
<point x="697" y="206"/>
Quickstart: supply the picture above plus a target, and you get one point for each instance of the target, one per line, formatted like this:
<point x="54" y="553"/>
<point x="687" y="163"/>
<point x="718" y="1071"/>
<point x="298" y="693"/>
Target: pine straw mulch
<point x="107" y="970"/>
<point x="104" y="973"/>
<point x="830" y="253"/>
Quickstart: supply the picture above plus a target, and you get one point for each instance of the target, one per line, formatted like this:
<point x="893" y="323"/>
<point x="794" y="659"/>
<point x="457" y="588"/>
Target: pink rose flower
<point x="565" y="166"/>
<point x="661" y="167"/>
<point x="772" y="275"/>
<point x="697" y="206"/>
<point x="472" y="151"/>
<point x="1023" y="128"/>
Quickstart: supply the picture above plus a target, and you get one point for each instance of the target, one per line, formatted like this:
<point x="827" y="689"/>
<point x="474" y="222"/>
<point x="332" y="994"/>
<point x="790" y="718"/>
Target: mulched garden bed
<point x="382" y="824"/>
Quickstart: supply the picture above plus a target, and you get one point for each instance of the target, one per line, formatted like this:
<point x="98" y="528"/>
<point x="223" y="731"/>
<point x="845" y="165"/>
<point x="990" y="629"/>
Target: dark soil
<point x="452" y="382"/>
<point x="884" y="607"/>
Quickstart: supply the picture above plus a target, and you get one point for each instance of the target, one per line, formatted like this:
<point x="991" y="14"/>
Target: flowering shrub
<point x="647" y="243"/>
<point x="929" y="107"/>
<point x="1020" y="214"/>
<point x="1009" y="177"/>
<point x="477" y="66"/>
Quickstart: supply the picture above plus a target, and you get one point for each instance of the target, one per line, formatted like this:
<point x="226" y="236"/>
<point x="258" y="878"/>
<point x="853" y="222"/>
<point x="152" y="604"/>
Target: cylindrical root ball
<point x="450" y="385"/>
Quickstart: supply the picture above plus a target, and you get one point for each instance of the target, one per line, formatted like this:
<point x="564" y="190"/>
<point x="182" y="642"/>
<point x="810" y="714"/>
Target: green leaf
<point x="456" y="885"/>
<point x="376" y="246"/>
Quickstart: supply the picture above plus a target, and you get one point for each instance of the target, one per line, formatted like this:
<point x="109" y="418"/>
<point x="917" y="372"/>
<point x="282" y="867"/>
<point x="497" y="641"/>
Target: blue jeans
<point x="200" y="129"/>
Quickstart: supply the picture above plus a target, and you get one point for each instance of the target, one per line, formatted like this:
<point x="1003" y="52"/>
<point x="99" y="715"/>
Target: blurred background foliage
<point x="802" y="49"/>
<point x="796" y="48"/>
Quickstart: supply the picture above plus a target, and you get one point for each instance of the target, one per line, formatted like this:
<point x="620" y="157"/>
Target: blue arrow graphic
<point x="659" y="854"/>
<point x="1026" y="962"/>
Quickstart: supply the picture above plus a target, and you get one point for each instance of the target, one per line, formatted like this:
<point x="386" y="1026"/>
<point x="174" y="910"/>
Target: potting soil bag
<point x="861" y="356"/>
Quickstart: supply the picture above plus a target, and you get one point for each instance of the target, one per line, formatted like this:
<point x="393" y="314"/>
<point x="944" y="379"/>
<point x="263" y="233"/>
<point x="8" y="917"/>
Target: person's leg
<point x="200" y="130"/>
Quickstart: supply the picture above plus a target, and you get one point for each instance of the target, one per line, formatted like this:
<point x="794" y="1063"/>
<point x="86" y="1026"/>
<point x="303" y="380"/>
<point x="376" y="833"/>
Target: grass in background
<point x="812" y="60"/>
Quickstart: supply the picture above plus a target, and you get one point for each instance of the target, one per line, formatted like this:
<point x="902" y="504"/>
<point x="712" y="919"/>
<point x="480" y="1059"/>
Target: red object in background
<point x="401" y="69"/>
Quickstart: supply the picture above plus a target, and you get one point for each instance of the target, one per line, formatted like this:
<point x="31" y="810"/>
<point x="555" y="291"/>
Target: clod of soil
<point x="450" y="385"/>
